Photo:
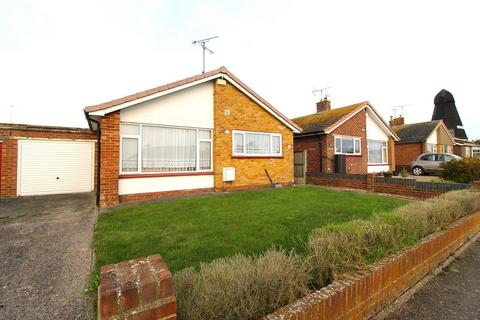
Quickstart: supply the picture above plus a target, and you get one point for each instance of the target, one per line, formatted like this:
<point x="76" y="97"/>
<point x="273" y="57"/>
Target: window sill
<point x="349" y="154"/>
<point x="256" y="157"/>
<point x="378" y="164"/>
<point x="165" y="174"/>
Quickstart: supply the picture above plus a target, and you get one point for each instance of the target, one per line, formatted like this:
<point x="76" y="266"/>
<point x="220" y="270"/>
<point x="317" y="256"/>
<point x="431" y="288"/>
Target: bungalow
<point x="351" y="139"/>
<point x="417" y="138"/>
<point x="209" y="132"/>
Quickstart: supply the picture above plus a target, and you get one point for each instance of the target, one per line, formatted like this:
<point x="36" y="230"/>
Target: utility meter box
<point x="228" y="174"/>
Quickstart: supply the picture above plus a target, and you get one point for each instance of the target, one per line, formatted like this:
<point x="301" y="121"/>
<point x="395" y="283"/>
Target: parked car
<point x="430" y="162"/>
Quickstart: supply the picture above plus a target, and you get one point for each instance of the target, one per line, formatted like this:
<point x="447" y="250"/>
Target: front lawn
<point x="189" y="231"/>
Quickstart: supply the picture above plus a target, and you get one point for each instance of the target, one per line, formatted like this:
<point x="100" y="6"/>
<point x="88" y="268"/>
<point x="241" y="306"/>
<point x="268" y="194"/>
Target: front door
<point x="300" y="166"/>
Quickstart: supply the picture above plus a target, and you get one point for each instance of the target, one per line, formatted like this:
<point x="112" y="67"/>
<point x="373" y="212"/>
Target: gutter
<point x="99" y="152"/>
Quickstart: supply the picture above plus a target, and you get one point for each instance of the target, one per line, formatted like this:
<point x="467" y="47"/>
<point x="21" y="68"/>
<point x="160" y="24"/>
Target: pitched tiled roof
<point x="186" y="81"/>
<point x="321" y="121"/>
<point x="415" y="132"/>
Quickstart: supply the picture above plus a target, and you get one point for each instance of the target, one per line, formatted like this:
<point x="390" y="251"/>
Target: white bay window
<point x="247" y="143"/>
<point x="377" y="152"/>
<point x="157" y="149"/>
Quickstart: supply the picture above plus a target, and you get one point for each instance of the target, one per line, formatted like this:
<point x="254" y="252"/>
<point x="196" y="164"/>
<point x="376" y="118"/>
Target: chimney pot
<point x="323" y="105"/>
<point x="396" y="121"/>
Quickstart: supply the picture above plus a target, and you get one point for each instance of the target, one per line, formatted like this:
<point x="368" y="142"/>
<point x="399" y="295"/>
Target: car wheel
<point x="418" y="171"/>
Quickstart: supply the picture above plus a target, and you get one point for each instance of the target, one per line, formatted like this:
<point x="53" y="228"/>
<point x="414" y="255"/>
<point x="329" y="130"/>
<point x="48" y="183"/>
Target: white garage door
<point x="54" y="167"/>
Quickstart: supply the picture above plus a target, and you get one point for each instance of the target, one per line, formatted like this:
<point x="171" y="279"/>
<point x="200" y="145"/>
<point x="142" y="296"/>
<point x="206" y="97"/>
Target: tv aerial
<point x="202" y="43"/>
<point x="321" y="90"/>
<point x="399" y="109"/>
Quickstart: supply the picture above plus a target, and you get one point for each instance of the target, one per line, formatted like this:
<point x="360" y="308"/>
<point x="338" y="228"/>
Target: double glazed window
<point x="256" y="144"/>
<point x="377" y="152"/>
<point x="155" y="149"/>
<point x="347" y="145"/>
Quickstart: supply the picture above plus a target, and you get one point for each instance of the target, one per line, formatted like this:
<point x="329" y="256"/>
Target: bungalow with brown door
<point x="355" y="135"/>
<point x="209" y="132"/>
<point x="417" y="138"/>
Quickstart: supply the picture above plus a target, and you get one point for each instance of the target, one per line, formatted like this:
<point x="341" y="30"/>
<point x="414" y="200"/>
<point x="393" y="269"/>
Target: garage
<point x="55" y="167"/>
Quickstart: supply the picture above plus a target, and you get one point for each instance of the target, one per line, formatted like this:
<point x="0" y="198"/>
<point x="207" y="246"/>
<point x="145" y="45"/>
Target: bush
<point x="462" y="171"/>
<point x="247" y="288"/>
<point x="241" y="287"/>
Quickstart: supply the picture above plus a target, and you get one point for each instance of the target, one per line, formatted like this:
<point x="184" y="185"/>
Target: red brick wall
<point x="10" y="134"/>
<point x="361" y="295"/>
<point x="110" y="159"/>
<point x="312" y="145"/>
<point x="405" y="153"/>
<point x="140" y="289"/>
<point x="356" y="164"/>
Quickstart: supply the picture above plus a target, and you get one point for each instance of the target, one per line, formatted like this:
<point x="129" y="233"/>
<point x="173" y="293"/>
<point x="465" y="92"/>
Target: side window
<point x="449" y="158"/>
<point x="440" y="157"/>
<point x="428" y="157"/>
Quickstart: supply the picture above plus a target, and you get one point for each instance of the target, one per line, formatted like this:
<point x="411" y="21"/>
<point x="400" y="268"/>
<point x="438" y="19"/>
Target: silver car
<point x="430" y="162"/>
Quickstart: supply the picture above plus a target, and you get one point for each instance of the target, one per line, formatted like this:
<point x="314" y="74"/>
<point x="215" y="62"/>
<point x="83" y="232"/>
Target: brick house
<point x="40" y="160"/>
<point x="209" y="132"/>
<point x="357" y="131"/>
<point x="417" y="138"/>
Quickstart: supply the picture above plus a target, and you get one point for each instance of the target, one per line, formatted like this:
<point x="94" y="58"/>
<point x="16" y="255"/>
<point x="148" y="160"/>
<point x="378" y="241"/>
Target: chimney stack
<point x="397" y="121"/>
<point x="323" y="105"/>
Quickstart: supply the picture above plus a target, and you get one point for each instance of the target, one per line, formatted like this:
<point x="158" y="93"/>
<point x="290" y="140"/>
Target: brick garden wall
<point x="404" y="187"/>
<point x="11" y="133"/>
<point x="362" y="295"/>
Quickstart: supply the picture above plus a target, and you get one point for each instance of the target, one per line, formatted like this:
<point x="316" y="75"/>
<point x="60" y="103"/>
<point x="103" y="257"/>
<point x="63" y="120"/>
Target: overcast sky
<point x="58" y="56"/>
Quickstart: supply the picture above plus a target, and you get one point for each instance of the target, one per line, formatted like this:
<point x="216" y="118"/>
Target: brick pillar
<point x="110" y="158"/>
<point x="140" y="289"/>
<point x="371" y="182"/>
<point x="8" y="186"/>
<point x="391" y="154"/>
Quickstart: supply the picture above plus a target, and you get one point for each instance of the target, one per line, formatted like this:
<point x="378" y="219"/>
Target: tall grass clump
<point x="241" y="287"/>
<point x="340" y="249"/>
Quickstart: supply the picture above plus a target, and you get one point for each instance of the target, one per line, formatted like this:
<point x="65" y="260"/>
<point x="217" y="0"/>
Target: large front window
<point x="377" y="152"/>
<point x="156" y="149"/>
<point x="347" y="145"/>
<point x="256" y="144"/>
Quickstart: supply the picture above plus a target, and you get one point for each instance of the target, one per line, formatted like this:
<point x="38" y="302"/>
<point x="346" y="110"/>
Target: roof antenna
<point x="202" y="44"/>
<point x="11" y="114"/>
<point x="321" y="90"/>
<point x="399" y="109"/>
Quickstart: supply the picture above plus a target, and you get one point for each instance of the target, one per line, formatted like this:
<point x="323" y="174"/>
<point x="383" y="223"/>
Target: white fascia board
<point x="103" y="112"/>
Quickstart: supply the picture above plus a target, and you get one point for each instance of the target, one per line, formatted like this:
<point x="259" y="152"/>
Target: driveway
<point x="45" y="250"/>
<point x="452" y="295"/>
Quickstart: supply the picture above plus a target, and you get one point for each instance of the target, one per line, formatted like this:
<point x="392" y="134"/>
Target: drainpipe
<point x="99" y="151"/>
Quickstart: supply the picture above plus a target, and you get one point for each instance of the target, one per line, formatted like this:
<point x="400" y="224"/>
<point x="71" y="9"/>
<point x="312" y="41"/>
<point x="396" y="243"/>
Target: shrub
<point x="241" y="287"/>
<point x="462" y="171"/>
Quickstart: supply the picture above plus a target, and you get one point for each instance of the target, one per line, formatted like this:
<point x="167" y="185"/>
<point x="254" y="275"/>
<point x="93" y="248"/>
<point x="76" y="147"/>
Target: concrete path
<point x="452" y="295"/>
<point x="45" y="250"/>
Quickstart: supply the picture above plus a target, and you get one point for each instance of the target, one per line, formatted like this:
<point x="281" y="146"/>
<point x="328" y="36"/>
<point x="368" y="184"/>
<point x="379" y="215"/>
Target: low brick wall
<point x="340" y="180"/>
<point x="363" y="294"/>
<point x="404" y="187"/>
<point x="140" y="289"/>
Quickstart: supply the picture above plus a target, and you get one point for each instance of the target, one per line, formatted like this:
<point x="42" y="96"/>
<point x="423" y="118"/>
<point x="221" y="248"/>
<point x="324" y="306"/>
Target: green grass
<point x="189" y="231"/>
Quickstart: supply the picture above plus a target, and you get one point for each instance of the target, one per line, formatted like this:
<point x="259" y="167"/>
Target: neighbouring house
<point x="446" y="110"/>
<point x="41" y="160"/>
<point x="417" y="138"/>
<point x="209" y="132"/>
<point x="352" y="139"/>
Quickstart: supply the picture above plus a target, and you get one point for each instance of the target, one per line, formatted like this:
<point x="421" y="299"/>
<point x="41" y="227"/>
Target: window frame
<point x="245" y="154"/>
<point x="139" y="152"/>
<point x="359" y="139"/>
<point x="384" y="147"/>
